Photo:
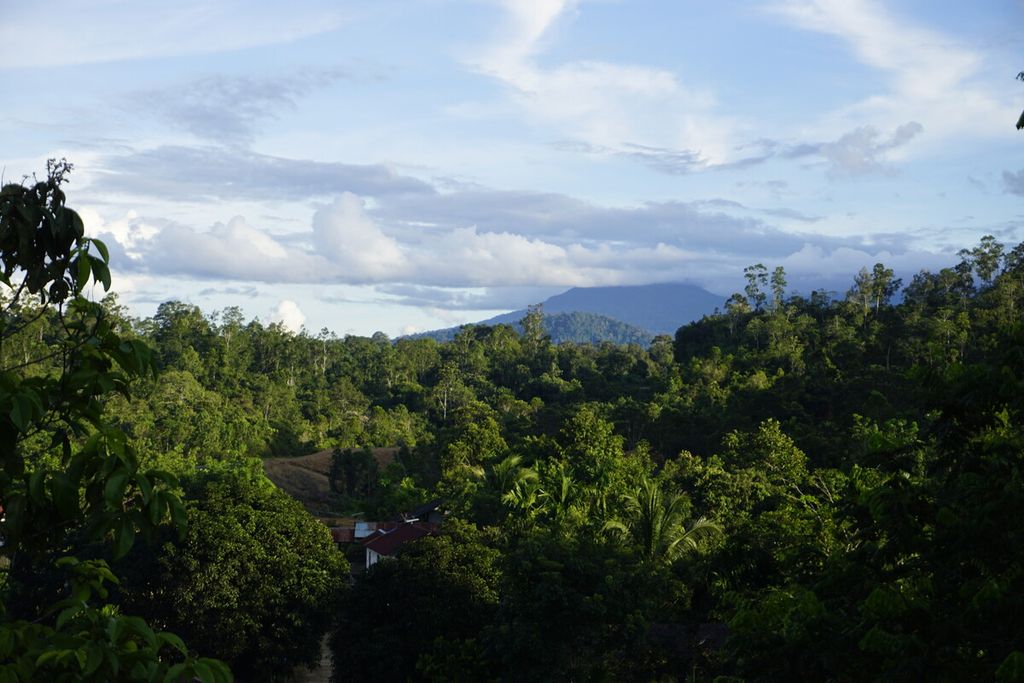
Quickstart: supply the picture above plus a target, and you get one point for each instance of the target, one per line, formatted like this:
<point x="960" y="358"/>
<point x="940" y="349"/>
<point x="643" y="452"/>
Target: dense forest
<point x="578" y="327"/>
<point x="820" y="487"/>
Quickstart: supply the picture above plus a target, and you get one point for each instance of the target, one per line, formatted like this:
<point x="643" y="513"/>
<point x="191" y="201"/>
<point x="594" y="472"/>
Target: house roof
<point x="421" y="512"/>
<point x="386" y="541"/>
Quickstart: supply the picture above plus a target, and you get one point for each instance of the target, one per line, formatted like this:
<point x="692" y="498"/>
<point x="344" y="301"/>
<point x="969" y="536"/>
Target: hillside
<point x="576" y="326"/>
<point x="306" y="478"/>
<point x="622" y="315"/>
<point x="661" y="308"/>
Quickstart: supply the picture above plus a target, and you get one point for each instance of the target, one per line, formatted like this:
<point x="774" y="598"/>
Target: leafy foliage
<point x="422" y="612"/>
<point x="254" y="579"/>
<point x="66" y="472"/>
<point x="795" y="488"/>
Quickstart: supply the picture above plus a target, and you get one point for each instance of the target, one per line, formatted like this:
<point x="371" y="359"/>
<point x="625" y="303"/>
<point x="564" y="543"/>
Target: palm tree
<point x="525" y="498"/>
<point x="509" y="474"/>
<point x="657" y="524"/>
<point x="558" y="499"/>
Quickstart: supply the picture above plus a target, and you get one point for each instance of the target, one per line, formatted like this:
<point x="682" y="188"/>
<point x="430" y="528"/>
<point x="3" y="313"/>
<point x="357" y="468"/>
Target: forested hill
<point x="576" y="327"/>
<point x="659" y="308"/>
<point x="621" y="315"/>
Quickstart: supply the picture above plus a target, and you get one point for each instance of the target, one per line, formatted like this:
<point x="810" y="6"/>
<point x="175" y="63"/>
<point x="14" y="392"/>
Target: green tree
<point x="254" y="579"/>
<point x="656" y="521"/>
<point x="985" y="259"/>
<point x="884" y="285"/>
<point x="757" y="283"/>
<point x="65" y="472"/>
<point x="534" y="336"/>
<point x="736" y="309"/>
<point x="778" y="288"/>
<point x="406" y="618"/>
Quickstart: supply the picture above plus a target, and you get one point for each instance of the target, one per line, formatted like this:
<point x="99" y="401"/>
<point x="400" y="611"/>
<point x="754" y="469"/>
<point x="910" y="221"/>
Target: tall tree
<point x="778" y="287"/>
<point x="66" y="474"/>
<point x="757" y="283"/>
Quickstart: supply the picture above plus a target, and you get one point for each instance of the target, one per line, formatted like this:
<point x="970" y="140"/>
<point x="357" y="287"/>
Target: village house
<point x="390" y="538"/>
<point x="384" y="539"/>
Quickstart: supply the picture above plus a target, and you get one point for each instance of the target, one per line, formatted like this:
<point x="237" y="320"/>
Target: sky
<point x="401" y="166"/>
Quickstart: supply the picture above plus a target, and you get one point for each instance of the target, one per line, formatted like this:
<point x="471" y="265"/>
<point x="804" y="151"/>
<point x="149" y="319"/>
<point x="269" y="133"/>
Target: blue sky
<point x="402" y="166"/>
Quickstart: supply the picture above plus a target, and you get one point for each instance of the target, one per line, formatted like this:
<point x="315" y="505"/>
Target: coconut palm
<point x="656" y="522"/>
<point x="509" y="474"/>
<point x="557" y="499"/>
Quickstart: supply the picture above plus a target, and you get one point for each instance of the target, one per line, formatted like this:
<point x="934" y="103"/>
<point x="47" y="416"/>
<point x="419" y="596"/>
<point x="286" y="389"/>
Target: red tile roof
<point x="386" y="541"/>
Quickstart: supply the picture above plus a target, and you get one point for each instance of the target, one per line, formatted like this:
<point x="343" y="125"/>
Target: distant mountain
<point x="662" y="309"/>
<point x="577" y="327"/>
<point x="643" y="310"/>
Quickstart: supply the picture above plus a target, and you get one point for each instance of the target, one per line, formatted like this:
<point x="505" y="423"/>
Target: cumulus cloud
<point x="478" y="239"/>
<point x="814" y="267"/>
<point x="289" y="315"/>
<point x="348" y="238"/>
<point x="130" y="232"/>
<point x="345" y="245"/>
<point x="233" y="251"/>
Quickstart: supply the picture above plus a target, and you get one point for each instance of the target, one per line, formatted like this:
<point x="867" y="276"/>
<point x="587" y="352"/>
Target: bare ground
<point x="305" y="478"/>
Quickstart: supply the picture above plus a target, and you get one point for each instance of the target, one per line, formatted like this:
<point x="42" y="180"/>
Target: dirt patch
<point x="307" y="486"/>
<point x="305" y="478"/>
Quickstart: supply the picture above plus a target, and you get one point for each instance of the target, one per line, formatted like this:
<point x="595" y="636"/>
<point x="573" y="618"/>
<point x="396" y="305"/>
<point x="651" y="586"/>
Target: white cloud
<point x="479" y="238"/>
<point x="345" y="245"/>
<point x="229" y="109"/>
<point x="604" y="104"/>
<point x="815" y="264"/>
<point x="234" y="248"/>
<point x="924" y="63"/>
<point x="931" y="77"/>
<point x="181" y="173"/>
<point x="862" y="150"/>
<point x="289" y="315"/>
<point x="89" y="31"/>
<point x="129" y="231"/>
<point x="346" y="236"/>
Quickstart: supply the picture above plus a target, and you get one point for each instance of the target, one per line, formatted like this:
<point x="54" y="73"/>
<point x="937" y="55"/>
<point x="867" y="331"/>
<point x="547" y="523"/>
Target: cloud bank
<point x="471" y="249"/>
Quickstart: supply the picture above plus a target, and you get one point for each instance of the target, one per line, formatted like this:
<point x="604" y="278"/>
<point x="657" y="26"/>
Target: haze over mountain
<point x="620" y="314"/>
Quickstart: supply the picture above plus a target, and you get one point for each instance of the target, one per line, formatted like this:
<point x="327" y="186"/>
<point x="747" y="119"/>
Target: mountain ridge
<point x="628" y="313"/>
